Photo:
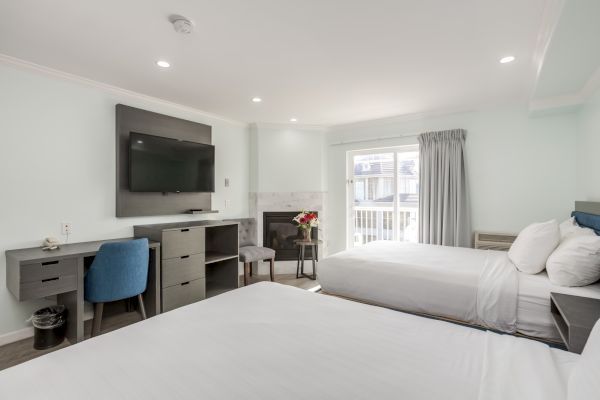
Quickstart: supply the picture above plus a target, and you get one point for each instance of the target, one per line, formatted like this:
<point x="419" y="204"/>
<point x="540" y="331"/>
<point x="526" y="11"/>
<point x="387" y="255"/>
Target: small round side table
<point x="302" y="244"/>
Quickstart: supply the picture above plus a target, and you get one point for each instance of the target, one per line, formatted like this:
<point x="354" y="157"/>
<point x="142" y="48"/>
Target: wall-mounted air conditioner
<point x="494" y="241"/>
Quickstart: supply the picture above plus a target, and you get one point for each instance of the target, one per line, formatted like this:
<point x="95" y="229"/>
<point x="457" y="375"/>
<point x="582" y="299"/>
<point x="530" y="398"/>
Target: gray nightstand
<point x="574" y="318"/>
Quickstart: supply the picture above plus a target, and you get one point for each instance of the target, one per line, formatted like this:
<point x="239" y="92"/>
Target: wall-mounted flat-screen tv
<point x="159" y="164"/>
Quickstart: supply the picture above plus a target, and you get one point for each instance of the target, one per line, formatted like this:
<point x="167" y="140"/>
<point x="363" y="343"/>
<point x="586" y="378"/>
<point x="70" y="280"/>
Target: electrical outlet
<point x="66" y="228"/>
<point x="227" y="203"/>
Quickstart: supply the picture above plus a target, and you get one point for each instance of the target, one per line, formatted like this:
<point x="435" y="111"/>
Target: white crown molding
<point x="550" y="17"/>
<point x="591" y="86"/>
<point x="554" y="102"/>
<point x="567" y="102"/>
<point x="555" y="105"/>
<point x="400" y="119"/>
<point x="290" y="126"/>
<point x="30" y="66"/>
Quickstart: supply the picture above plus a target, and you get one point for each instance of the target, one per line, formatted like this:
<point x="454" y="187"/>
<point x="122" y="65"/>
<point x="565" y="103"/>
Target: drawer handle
<point x="185" y="256"/>
<point x="50" y="262"/>
<point x="185" y="283"/>
<point x="50" y="279"/>
<point x="185" y="230"/>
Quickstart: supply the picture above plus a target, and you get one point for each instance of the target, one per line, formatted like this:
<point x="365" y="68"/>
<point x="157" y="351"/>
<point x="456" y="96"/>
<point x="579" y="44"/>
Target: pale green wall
<point x="520" y="169"/>
<point x="588" y="151"/>
<point x="287" y="158"/>
<point x="57" y="163"/>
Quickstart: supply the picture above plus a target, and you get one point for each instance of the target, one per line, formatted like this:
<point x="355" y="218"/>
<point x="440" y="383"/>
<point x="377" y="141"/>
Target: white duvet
<point x="269" y="341"/>
<point x="469" y="285"/>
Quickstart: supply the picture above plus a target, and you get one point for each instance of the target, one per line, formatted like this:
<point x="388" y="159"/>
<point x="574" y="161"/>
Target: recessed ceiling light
<point x="256" y="99"/>
<point x="293" y="119"/>
<point x="163" y="64"/>
<point x="506" y="60"/>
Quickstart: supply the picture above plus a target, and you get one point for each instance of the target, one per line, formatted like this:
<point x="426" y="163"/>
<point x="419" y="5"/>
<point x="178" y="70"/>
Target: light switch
<point x="226" y="182"/>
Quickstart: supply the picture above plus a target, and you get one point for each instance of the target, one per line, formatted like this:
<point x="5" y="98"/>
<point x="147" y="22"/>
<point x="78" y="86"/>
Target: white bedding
<point x="475" y="286"/>
<point x="469" y="285"/>
<point x="533" y="307"/>
<point x="512" y="365"/>
<point x="268" y="341"/>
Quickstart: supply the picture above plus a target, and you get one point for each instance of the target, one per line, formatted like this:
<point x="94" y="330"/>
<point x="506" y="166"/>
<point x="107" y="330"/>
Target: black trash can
<point x="49" y="325"/>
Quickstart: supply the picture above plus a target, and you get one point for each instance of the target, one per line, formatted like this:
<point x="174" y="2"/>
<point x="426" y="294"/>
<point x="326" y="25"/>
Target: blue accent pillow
<point x="587" y="220"/>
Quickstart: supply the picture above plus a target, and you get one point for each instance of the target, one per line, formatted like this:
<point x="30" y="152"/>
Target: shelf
<point x="213" y="257"/>
<point x="201" y="212"/>
<point x="215" y="291"/>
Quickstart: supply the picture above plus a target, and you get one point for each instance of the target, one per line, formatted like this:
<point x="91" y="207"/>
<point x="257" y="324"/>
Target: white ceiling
<point x="325" y="62"/>
<point x="573" y="54"/>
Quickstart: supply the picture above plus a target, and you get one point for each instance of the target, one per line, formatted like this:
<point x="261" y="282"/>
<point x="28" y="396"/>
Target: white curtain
<point x="444" y="214"/>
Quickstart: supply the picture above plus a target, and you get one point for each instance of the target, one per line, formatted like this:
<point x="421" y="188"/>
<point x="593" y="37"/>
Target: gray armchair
<point x="249" y="252"/>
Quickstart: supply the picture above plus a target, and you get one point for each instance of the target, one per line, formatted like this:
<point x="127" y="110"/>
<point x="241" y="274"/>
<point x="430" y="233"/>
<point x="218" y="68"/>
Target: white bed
<point x="533" y="312"/>
<point x="269" y="341"/>
<point x="475" y="286"/>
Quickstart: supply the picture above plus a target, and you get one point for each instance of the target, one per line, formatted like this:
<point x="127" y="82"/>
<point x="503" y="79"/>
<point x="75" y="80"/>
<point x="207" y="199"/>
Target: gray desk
<point x="34" y="274"/>
<point x="574" y="317"/>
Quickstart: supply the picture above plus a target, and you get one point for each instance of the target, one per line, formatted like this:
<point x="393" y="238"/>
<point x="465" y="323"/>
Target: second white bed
<point x="475" y="286"/>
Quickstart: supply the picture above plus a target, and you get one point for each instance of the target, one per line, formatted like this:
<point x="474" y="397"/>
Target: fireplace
<point x="279" y="233"/>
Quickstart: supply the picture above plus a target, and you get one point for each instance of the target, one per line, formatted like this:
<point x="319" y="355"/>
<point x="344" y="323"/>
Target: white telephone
<point x="51" y="243"/>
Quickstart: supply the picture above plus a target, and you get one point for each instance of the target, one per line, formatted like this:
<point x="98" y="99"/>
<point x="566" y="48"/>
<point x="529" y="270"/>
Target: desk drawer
<point x="47" y="287"/>
<point x="183" y="294"/>
<point x="182" y="242"/>
<point x="48" y="269"/>
<point x="183" y="269"/>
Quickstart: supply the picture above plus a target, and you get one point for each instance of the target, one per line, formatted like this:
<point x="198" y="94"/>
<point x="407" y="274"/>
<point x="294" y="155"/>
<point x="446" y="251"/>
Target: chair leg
<point x="250" y="269"/>
<point x="98" y="308"/>
<point x="272" y="262"/>
<point x="246" y="267"/>
<point x="141" y="304"/>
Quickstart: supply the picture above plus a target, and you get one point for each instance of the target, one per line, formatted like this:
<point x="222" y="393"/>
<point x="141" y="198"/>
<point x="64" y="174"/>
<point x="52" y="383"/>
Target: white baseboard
<point x="15" y="336"/>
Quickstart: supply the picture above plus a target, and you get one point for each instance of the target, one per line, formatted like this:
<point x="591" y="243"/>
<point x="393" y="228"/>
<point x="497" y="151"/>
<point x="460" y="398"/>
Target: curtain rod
<point x="374" y="139"/>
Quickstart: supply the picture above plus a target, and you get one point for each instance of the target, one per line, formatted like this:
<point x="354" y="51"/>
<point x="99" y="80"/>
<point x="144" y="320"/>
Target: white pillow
<point x="575" y="262"/>
<point x="533" y="246"/>
<point x="584" y="382"/>
<point x="570" y="228"/>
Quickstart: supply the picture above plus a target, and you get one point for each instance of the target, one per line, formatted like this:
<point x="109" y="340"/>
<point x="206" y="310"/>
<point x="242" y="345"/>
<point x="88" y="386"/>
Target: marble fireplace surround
<point x="288" y="201"/>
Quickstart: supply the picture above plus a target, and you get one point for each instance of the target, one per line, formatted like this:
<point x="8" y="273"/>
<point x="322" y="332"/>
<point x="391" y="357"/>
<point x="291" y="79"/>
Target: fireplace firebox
<point x="279" y="233"/>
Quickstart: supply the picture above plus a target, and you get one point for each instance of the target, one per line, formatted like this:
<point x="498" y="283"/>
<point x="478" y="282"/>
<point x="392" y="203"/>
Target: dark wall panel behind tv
<point x="134" y="204"/>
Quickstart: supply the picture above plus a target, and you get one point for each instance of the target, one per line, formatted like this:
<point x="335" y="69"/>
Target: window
<point x="383" y="199"/>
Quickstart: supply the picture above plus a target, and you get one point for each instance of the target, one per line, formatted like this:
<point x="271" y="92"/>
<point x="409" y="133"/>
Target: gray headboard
<point x="588" y="207"/>
<point x="587" y="214"/>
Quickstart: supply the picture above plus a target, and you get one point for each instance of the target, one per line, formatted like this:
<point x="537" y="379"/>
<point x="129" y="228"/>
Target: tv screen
<point x="158" y="164"/>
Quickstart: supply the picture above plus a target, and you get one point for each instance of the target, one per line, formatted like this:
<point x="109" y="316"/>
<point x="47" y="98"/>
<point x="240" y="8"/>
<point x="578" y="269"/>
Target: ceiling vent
<point x="181" y="24"/>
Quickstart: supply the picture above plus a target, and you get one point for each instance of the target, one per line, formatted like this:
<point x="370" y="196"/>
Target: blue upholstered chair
<point x="119" y="271"/>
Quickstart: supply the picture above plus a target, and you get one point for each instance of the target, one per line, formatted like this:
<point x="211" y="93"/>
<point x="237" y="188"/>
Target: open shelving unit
<point x="221" y="259"/>
<point x="213" y="257"/>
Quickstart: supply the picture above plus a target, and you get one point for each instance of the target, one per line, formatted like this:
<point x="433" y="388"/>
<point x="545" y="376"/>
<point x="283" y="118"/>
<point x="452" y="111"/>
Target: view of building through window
<point x="385" y="203"/>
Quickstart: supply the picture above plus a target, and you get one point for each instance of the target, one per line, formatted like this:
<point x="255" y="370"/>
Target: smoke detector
<point x="181" y="24"/>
